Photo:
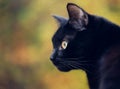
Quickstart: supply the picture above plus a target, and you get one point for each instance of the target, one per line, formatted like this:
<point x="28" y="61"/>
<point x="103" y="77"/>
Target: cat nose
<point x="53" y="55"/>
<point x="51" y="58"/>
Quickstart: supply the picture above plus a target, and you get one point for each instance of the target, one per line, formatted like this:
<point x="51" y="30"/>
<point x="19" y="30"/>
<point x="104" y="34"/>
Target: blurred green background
<point x="26" y="28"/>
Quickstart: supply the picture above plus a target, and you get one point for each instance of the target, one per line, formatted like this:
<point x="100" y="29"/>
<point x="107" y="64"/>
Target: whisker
<point x="85" y="70"/>
<point x="78" y="57"/>
<point x="67" y="66"/>
<point x="79" y="61"/>
<point x="74" y="59"/>
<point x="78" y="66"/>
<point x="73" y="66"/>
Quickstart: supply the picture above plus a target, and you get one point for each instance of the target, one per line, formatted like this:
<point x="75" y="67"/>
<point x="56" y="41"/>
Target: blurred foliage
<point x="26" y="28"/>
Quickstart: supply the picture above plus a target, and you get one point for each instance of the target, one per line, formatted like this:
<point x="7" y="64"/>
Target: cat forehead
<point x="67" y="29"/>
<point x="64" y="30"/>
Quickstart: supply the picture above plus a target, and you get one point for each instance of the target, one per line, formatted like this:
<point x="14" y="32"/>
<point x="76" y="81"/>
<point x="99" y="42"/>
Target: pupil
<point x="64" y="44"/>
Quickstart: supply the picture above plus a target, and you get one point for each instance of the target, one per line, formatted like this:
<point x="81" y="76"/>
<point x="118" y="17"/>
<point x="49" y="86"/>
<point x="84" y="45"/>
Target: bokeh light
<point x="26" y="28"/>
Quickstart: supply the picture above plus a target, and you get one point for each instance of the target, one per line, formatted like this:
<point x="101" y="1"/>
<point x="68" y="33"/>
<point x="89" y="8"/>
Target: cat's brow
<point x="69" y="36"/>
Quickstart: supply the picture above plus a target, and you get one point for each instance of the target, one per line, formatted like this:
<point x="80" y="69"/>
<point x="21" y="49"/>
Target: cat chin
<point x="63" y="69"/>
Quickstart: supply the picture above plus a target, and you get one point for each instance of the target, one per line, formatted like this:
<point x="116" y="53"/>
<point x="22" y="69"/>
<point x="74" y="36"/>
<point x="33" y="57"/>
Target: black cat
<point x="90" y="43"/>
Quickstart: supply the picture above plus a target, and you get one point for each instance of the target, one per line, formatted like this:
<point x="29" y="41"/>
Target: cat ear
<point x="60" y="19"/>
<point x="77" y="14"/>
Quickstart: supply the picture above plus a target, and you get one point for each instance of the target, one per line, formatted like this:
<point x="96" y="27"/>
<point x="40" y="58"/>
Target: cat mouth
<point x="61" y="66"/>
<point x="72" y="64"/>
<point x="66" y="66"/>
<point x="63" y="69"/>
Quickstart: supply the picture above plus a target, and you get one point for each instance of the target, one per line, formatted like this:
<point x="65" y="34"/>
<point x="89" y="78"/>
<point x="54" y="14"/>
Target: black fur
<point x="93" y="46"/>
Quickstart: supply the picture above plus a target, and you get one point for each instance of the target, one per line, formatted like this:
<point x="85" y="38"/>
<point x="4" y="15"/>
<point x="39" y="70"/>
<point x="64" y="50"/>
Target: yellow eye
<point x="64" y="44"/>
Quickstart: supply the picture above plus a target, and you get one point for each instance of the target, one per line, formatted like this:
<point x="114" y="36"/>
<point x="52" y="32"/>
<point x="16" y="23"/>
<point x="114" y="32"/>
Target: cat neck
<point x="93" y="81"/>
<point x="94" y="77"/>
<point x="107" y="36"/>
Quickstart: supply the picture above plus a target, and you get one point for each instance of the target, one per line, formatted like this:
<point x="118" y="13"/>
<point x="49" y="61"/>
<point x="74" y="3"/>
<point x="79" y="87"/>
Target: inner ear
<point x="77" y="13"/>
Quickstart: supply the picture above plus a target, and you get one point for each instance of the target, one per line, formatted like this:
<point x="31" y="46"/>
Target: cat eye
<point x="64" y="44"/>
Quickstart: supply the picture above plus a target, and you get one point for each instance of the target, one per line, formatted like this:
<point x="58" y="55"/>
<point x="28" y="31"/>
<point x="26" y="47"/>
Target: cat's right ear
<point x="78" y="18"/>
<point x="60" y="20"/>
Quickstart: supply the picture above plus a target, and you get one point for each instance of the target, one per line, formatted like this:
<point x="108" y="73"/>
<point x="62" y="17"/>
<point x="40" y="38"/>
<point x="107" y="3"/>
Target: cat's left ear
<point x="77" y="16"/>
<point x="61" y="20"/>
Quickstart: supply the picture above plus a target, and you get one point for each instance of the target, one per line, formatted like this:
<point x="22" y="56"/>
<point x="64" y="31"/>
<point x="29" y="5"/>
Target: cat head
<point x="73" y="43"/>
